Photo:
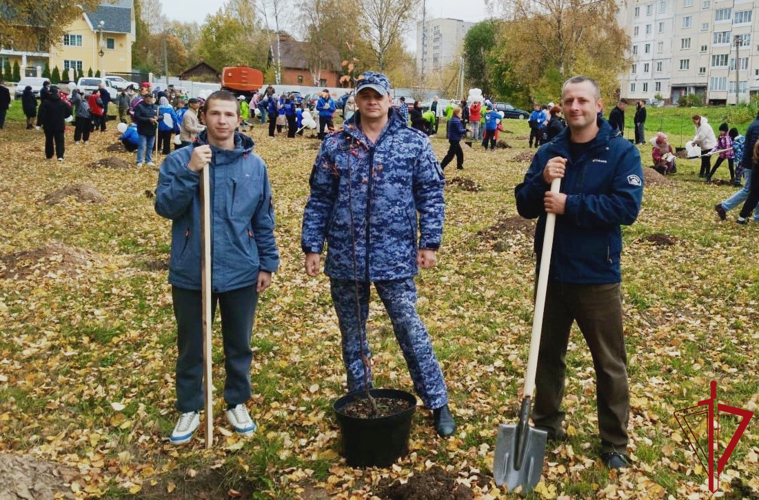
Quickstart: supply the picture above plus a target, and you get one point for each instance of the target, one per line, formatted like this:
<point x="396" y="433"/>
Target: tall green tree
<point x="16" y="72"/>
<point x="65" y="75"/>
<point x="46" y="71"/>
<point x="227" y="39"/>
<point x="7" y="72"/>
<point x="384" y="22"/>
<point x="479" y="42"/>
<point x="35" y="26"/>
<point x="55" y="76"/>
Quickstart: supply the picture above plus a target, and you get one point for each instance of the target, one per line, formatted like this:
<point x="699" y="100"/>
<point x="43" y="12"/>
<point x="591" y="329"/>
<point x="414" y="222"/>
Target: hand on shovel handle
<point x="201" y="156"/>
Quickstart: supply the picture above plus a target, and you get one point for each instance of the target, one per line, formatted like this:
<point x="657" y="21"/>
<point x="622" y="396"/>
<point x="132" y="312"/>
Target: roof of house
<point x="202" y="65"/>
<point x="116" y="17"/>
<point x="294" y="54"/>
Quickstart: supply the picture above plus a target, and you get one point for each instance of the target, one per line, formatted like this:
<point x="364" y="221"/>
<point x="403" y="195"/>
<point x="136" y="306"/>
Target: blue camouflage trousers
<point x="399" y="299"/>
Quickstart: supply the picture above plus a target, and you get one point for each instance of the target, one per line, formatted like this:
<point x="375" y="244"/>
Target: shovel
<point x="205" y="279"/>
<point x="519" y="449"/>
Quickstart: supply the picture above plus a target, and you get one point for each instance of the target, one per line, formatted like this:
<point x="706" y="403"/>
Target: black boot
<point x="445" y="425"/>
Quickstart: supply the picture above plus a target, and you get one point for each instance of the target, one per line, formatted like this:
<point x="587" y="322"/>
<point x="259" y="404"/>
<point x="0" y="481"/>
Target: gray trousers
<point x="598" y="312"/>
<point x="238" y="308"/>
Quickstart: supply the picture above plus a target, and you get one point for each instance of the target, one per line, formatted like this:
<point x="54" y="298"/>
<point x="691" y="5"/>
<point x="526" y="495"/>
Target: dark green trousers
<point x="598" y="312"/>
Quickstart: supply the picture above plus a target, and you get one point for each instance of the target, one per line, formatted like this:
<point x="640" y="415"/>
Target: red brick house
<point x="295" y="67"/>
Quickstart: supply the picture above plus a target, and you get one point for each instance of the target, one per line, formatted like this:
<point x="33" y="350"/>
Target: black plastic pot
<point x="374" y="442"/>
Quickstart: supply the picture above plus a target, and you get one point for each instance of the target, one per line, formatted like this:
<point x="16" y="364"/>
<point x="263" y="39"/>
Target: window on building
<point x="743" y="66"/>
<point x="687" y="3"/>
<point x="648" y="29"/>
<point x="110" y="43"/>
<point x="659" y="47"/>
<point x="687" y="21"/>
<point x="744" y="40"/>
<point x="635" y="49"/>
<point x="646" y="67"/>
<point x="684" y="43"/>
<point x="647" y="49"/>
<point x="722" y="15"/>
<point x="650" y="9"/>
<point x="645" y="86"/>
<point x="702" y="70"/>
<point x="637" y="11"/>
<point x="75" y="65"/>
<point x="741" y="17"/>
<point x="657" y="86"/>
<point x="661" y="27"/>
<point x="72" y="40"/>
<point x="707" y="4"/>
<point x="718" y="83"/>
<point x="721" y="37"/>
<point x="741" y="87"/>
<point x="704" y="48"/>
<point x="322" y="82"/>
<point x="632" y="87"/>
<point x="300" y="79"/>
<point x="662" y="7"/>
<point x="658" y="66"/>
<point x="634" y="69"/>
<point x="684" y="64"/>
<point x="636" y="30"/>
<point x="704" y="26"/>
<point x="719" y="60"/>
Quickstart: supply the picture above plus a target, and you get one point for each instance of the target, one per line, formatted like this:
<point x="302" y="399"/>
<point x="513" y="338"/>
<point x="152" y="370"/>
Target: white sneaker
<point x="241" y="421"/>
<point x="185" y="428"/>
<point x="139" y="164"/>
<point x="60" y="159"/>
<point x="151" y="164"/>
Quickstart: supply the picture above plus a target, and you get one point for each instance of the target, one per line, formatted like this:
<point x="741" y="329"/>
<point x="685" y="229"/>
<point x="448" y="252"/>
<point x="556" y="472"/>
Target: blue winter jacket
<point x="131" y="135"/>
<point x="242" y="216"/>
<point x="604" y="189"/>
<point x="491" y="120"/>
<point x="320" y="105"/>
<point x="390" y="182"/>
<point x="289" y="108"/>
<point x="456" y="129"/>
<point x="272" y="107"/>
<point x="162" y="126"/>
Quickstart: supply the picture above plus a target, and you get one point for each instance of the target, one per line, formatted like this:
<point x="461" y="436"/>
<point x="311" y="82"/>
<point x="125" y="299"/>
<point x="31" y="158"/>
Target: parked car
<point x="654" y="103"/>
<point x="120" y="84"/>
<point x="89" y="84"/>
<point x="510" y="111"/>
<point x="30" y="81"/>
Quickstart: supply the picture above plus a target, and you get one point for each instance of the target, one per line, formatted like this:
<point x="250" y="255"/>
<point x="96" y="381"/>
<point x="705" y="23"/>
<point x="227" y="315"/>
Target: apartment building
<point x="680" y="47"/>
<point x="439" y="42"/>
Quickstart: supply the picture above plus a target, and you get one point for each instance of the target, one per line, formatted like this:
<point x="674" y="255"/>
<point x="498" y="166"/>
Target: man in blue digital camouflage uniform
<point x="367" y="185"/>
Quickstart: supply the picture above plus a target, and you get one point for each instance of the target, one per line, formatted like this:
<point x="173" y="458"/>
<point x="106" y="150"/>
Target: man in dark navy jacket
<point x="602" y="188"/>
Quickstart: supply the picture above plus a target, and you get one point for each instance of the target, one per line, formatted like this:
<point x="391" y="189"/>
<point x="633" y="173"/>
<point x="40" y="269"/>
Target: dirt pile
<point x="525" y="156"/>
<point x="463" y="184"/>
<point x="112" y="162"/>
<point x="54" y="258"/>
<point x="661" y="239"/>
<point x="653" y="178"/>
<point x="507" y="232"/>
<point x="27" y="477"/>
<point x="84" y="193"/>
<point x="433" y="484"/>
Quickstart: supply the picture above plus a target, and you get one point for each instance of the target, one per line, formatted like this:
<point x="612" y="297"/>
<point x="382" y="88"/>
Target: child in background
<point x="739" y="144"/>
<point x="725" y="146"/>
<point x="663" y="155"/>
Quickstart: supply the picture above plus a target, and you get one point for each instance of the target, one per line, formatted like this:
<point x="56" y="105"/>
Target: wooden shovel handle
<point x="205" y="266"/>
<point x="540" y="298"/>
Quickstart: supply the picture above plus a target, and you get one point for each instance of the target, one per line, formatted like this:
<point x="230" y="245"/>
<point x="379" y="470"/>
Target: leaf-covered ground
<point x="87" y="343"/>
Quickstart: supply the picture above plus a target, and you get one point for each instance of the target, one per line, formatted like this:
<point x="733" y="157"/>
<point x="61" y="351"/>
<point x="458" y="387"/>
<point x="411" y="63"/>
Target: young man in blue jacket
<point x="326" y="107"/>
<point x="369" y="182"/>
<point x="602" y="188"/>
<point x="244" y="256"/>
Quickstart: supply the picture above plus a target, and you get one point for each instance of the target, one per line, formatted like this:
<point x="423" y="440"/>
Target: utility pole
<point x="738" y="40"/>
<point x="101" y="53"/>
<point x="165" y="59"/>
<point x="424" y="40"/>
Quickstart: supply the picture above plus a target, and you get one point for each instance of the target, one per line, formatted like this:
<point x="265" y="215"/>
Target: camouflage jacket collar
<point x="352" y="128"/>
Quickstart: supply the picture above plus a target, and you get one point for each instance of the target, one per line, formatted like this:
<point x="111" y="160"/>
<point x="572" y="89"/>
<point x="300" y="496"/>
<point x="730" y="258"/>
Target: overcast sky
<point x="471" y="10"/>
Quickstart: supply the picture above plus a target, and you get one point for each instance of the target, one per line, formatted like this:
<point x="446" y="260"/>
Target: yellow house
<point x="99" y="40"/>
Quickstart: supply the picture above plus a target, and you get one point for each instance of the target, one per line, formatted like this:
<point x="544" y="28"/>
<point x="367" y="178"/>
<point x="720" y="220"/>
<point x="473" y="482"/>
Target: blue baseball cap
<point x="374" y="81"/>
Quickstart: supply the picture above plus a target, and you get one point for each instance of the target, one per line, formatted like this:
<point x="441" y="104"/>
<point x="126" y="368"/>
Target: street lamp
<point x="738" y="41"/>
<point x="101" y="53"/>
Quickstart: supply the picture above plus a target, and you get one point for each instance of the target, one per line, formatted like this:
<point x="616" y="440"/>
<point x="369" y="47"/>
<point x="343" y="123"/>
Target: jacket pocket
<point x="243" y="198"/>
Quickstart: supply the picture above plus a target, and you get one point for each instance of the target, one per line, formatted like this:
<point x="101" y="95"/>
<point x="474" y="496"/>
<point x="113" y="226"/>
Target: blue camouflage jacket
<point x="242" y="216"/>
<point x="604" y="189"/>
<point x="390" y="182"/>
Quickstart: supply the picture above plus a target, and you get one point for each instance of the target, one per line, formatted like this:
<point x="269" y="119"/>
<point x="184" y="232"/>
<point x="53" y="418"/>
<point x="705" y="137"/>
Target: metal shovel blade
<point x="506" y="452"/>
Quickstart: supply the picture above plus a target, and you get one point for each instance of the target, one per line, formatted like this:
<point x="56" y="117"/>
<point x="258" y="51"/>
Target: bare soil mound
<point x="112" y="162"/>
<point x="433" y="484"/>
<point x="116" y="148"/>
<point x="661" y="239"/>
<point x="523" y="156"/>
<point x="84" y="193"/>
<point x="504" y="233"/>
<point x="463" y="184"/>
<point x="52" y="258"/>
<point x="501" y="144"/>
<point x="653" y="178"/>
<point x="25" y="477"/>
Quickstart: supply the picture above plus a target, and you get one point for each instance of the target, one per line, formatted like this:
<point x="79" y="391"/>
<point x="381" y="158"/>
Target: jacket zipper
<point x="369" y="211"/>
<point x="186" y="240"/>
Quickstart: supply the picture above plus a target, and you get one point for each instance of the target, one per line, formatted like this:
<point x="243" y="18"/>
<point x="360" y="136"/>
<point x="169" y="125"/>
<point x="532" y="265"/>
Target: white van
<point x="30" y="81"/>
<point x="89" y="84"/>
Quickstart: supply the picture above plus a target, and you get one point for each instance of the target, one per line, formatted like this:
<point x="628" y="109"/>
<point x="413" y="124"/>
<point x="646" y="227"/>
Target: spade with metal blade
<point x="520" y="449"/>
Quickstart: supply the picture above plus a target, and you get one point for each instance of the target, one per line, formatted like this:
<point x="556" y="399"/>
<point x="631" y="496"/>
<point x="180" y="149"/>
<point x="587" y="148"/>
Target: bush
<point x="79" y="75"/>
<point x="689" y="100"/>
<point x="7" y="73"/>
<point x="65" y="76"/>
<point x="46" y="71"/>
<point x="97" y="74"/>
<point x="89" y="72"/>
<point x="16" y="72"/>
<point x="55" y="77"/>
